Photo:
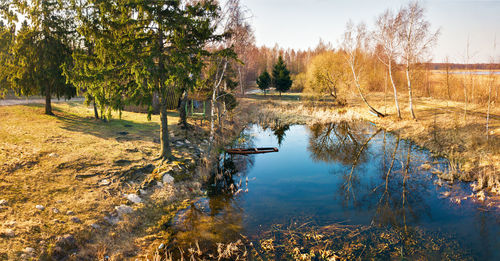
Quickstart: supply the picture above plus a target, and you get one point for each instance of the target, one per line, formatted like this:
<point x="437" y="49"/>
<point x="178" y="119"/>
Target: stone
<point x="95" y="226"/>
<point x="111" y="220"/>
<point x="76" y="220"/>
<point x="123" y="209"/>
<point x="187" y="142"/>
<point x="54" y="155"/>
<point x="55" y="210"/>
<point x="104" y="182"/>
<point x="29" y="250"/>
<point x="70" y="213"/>
<point x="167" y="178"/>
<point x="7" y="233"/>
<point x="40" y="207"/>
<point x="3" y="202"/>
<point x="143" y="192"/>
<point x="67" y="241"/>
<point x="134" y="198"/>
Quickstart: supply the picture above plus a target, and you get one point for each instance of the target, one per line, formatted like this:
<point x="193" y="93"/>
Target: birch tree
<point x="354" y="42"/>
<point x="416" y="41"/>
<point x="386" y="36"/>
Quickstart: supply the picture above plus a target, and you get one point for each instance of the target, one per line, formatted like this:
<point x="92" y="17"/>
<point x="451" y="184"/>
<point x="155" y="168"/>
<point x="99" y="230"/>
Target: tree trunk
<point x="182" y="110"/>
<point x="409" y="90"/>
<point x="395" y="90"/>
<point x="489" y="110"/>
<point x="96" y="114"/>
<point x="48" y="104"/>
<point x="466" y="100"/>
<point x="166" y="153"/>
<point x="212" y="129"/>
<point x="356" y="83"/>
<point x="241" y="81"/>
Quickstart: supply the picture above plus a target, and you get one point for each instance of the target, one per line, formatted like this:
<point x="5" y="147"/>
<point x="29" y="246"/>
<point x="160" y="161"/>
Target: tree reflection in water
<point x="219" y="217"/>
<point x="395" y="196"/>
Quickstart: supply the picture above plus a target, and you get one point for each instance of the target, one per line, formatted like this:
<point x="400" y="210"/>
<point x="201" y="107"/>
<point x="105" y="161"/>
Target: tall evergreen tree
<point x="40" y="50"/>
<point x="281" y="76"/>
<point x="145" y="48"/>
<point x="6" y="40"/>
<point x="264" y="81"/>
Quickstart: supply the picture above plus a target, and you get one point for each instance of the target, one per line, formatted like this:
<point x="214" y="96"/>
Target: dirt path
<point x="10" y="102"/>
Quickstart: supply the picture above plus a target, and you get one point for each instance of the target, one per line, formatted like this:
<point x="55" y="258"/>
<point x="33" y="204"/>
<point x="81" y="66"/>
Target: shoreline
<point x="475" y="161"/>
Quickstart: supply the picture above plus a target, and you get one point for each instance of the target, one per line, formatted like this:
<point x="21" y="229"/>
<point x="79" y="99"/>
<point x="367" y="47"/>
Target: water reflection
<point x="338" y="173"/>
<point x="279" y="130"/>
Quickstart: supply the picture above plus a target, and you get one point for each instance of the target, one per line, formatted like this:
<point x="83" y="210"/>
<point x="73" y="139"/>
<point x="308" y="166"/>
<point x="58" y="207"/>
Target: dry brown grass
<point x="59" y="161"/>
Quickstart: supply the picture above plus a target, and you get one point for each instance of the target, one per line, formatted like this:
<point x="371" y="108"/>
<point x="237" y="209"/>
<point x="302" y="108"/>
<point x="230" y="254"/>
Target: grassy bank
<point x="441" y="127"/>
<point x="67" y="181"/>
<point x="62" y="179"/>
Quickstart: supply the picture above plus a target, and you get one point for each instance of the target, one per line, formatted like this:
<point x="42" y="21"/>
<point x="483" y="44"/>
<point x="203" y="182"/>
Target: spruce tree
<point x="264" y="81"/>
<point x="6" y="39"/>
<point x="281" y="76"/>
<point x="143" y="48"/>
<point x="40" y="50"/>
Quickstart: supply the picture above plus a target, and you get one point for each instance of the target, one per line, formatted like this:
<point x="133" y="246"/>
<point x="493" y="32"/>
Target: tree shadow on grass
<point x="118" y="129"/>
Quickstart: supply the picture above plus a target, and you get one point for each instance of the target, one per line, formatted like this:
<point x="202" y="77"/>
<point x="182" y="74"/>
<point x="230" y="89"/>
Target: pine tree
<point x="281" y="76"/>
<point x="264" y="81"/>
<point x="39" y="52"/>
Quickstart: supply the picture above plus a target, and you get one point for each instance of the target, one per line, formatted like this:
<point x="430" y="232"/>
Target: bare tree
<point x="242" y="36"/>
<point x="416" y="41"/>
<point x="353" y="44"/>
<point x="491" y="83"/>
<point x="386" y="36"/>
<point x="447" y="71"/>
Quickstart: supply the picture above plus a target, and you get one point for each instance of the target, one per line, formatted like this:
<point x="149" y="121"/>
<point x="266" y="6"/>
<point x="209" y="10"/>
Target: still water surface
<point x="350" y="174"/>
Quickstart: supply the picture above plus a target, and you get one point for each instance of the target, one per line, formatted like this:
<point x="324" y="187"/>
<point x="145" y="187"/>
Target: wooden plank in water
<point x="251" y="150"/>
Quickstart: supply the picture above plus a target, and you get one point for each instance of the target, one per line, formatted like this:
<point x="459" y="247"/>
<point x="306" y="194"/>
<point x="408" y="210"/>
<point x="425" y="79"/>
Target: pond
<point x="344" y="190"/>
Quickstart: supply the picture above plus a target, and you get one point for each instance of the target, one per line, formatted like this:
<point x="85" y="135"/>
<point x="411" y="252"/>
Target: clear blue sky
<point x="300" y="24"/>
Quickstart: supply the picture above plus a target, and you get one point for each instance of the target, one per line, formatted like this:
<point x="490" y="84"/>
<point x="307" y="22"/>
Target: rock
<point x="55" y="210"/>
<point x="40" y="207"/>
<point x="76" y="220"/>
<point x="29" y="250"/>
<point x="66" y="242"/>
<point x="70" y="213"/>
<point x="187" y="142"/>
<point x="3" y="202"/>
<point x="7" y="233"/>
<point x="143" y="192"/>
<point x="104" y="182"/>
<point x="134" y="198"/>
<point x="54" y="155"/>
<point x="95" y="226"/>
<point x="111" y="220"/>
<point x="167" y="178"/>
<point x="123" y="209"/>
